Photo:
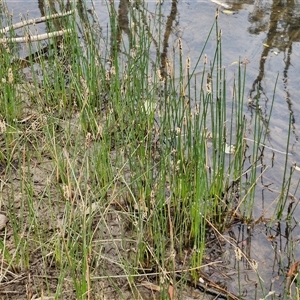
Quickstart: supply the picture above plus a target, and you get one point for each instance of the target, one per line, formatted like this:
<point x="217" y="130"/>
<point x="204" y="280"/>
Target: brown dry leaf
<point x="293" y="270"/>
<point x="150" y="286"/>
<point x="154" y="287"/>
<point x="172" y="293"/>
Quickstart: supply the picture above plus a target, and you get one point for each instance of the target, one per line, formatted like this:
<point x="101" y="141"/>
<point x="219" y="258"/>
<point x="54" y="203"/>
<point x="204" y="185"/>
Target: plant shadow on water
<point x="131" y="172"/>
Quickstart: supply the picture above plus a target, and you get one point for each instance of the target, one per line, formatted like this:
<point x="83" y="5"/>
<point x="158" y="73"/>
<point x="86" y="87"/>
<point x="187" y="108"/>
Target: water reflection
<point x="282" y="239"/>
<point x="85" y="14"/>
<point x="283" y="31"/>
<point x="123" y="27"/>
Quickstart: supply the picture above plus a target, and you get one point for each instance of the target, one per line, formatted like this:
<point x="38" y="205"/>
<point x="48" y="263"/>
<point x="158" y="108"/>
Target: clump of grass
<point x="123" y="161"/>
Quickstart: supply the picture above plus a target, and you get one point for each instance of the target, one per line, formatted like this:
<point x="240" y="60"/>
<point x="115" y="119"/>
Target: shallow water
<point x="267" y="34"/>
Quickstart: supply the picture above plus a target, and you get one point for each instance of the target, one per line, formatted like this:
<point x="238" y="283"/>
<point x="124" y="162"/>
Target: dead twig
<point x="34" y="21"/>
<point x="34" y="38"/>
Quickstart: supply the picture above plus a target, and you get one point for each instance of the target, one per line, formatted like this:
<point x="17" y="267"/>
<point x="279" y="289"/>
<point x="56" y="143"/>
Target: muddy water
<point x="267" y="34"/>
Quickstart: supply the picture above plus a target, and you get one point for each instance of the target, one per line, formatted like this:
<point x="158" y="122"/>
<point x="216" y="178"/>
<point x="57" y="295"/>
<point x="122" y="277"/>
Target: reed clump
<point x="119" y="160"/>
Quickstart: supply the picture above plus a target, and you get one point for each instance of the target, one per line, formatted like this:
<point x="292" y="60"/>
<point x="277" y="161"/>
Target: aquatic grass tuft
<point x="122" y="161"/>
